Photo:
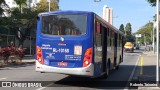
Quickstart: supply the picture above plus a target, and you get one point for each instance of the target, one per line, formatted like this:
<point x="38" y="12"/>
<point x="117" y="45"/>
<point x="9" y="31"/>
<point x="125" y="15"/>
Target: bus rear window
<point x="64" y="24"/>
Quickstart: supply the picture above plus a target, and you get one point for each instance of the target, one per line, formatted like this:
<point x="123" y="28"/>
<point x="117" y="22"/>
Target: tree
<point x="3" y="7"/>
<point x="152" y="2"/>
<point x="20" y="3"/>
<point x="21" y="24"/>
<point x="42" y="6"/>
<point x="121" y="28"/>
<point x="145" y="31"/>
<point x="128" y="29"/>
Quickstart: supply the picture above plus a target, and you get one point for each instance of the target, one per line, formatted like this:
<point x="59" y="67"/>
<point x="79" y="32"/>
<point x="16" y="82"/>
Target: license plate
<point x="62" y="63"/>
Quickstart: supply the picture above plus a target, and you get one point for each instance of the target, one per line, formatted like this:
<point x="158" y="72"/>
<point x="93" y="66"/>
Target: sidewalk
<point x="28" y="59"/>
<point x="146" y="71"/>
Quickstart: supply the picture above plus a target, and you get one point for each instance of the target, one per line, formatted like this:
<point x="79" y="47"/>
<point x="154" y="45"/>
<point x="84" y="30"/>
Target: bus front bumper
<point x="84" y="71"/>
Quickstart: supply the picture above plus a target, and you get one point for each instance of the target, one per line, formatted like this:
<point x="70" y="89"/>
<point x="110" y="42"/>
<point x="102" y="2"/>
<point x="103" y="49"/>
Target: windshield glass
<point x="64" y="24"/>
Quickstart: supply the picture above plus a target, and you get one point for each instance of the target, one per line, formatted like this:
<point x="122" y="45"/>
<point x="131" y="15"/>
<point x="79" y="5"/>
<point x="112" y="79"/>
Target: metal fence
<point x="28" y="45"/>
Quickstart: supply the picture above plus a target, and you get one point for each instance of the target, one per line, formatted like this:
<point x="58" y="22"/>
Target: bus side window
<point x="98" y="29"/>
<point x="117" y="40"/>
<point x="108" y="32"/>
<point x="110" y="38"/>
<point x="120" y="40"/>
<point x="98" y="34"/>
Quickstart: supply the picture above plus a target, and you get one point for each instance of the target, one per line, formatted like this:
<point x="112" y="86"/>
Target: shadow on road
<point x="110" y="82"/>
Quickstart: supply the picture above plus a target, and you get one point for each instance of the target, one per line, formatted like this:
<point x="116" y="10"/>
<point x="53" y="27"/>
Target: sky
<point x="136" y="12"/>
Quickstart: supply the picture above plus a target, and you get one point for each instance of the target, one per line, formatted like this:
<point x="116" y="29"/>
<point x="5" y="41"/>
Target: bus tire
<point x="117" y="67"/>
<point x="115" y="63"/>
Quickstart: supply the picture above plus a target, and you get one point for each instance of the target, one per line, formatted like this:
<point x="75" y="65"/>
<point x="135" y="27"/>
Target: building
<point x="108" y="14"/>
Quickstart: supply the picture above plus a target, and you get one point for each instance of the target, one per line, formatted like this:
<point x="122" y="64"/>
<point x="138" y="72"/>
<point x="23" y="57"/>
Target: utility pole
<point x="157" y="24"/>
<point x="145" y="41"/>
<point x="49" y="4"/>
<point x="154" y="26"/>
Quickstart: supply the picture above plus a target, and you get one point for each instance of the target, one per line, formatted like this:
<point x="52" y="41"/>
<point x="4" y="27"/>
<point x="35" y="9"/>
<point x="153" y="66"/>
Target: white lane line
<point x="2" y="78"/>
<point x="45" y="86"/>
<point x="131" y="76"/>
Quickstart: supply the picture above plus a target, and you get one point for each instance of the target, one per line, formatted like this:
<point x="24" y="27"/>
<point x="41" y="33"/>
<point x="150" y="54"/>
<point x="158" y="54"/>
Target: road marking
<point x="45" y="86"/>
<point x="2" y="78"/>
<point x="141" y="65"/>
<point x="131" y="76"/>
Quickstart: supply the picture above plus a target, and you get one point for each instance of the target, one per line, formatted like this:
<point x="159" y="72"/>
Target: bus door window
<point x="115" y="40"/>
<point x="118" y="42"/>
<point x="110" y="37"/>
<point x="98" y="42"/>
<point x="112" y="40"/>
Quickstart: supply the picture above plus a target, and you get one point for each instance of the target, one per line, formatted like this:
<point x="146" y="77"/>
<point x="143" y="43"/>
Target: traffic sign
<point x="138" y="35"/>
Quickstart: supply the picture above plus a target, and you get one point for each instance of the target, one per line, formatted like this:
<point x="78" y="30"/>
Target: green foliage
<point x="128" y="29"/>
<point x="145" y="31"/>
<point x="3" y="7"/>
<point x="22" y="22"/>
<point x="42" y="6"/>
<point x="152" y="2"/>
<point x="21" y="3"/>
<point x="128" y="33"/>
<point x="121" y="28"/>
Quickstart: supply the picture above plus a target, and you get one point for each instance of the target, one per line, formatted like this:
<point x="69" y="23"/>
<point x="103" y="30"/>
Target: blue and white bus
<point x="77" y="43"/>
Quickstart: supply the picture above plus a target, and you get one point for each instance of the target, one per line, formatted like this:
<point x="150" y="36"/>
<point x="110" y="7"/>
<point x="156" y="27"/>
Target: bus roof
<point x="64" y="12"/>
<point x="109" y="25"/>
<point x="83" y="12"/>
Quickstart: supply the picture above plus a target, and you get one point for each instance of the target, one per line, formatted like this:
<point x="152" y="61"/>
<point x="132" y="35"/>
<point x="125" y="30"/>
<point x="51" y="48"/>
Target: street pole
<point x="49" y="4"/>
<point x="157" y="68"/>
<point x="153" y="37"/>
<point x="30" y="45"/>
<point x="145" y="41"/>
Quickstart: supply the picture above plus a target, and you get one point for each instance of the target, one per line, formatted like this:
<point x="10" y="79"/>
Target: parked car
<point x="136" y="46"/>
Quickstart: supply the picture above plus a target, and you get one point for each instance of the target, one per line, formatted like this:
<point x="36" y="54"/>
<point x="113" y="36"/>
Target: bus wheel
<point x="115" y="63"/>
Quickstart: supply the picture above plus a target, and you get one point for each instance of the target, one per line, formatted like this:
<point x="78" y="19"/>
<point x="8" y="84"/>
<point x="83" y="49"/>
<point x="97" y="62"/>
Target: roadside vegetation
<point x="20" y="22"/>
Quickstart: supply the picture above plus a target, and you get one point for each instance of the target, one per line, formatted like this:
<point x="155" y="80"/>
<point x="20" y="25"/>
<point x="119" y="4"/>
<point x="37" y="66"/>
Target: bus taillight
<point x="39" y="55"/>
<point x="87" y="57"/>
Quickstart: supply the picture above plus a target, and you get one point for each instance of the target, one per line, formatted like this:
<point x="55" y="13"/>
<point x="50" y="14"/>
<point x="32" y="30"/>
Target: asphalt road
<point x="117" y="78"/>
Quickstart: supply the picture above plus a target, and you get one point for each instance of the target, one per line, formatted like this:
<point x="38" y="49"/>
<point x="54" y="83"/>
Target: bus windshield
<point x="64" y="24"/>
